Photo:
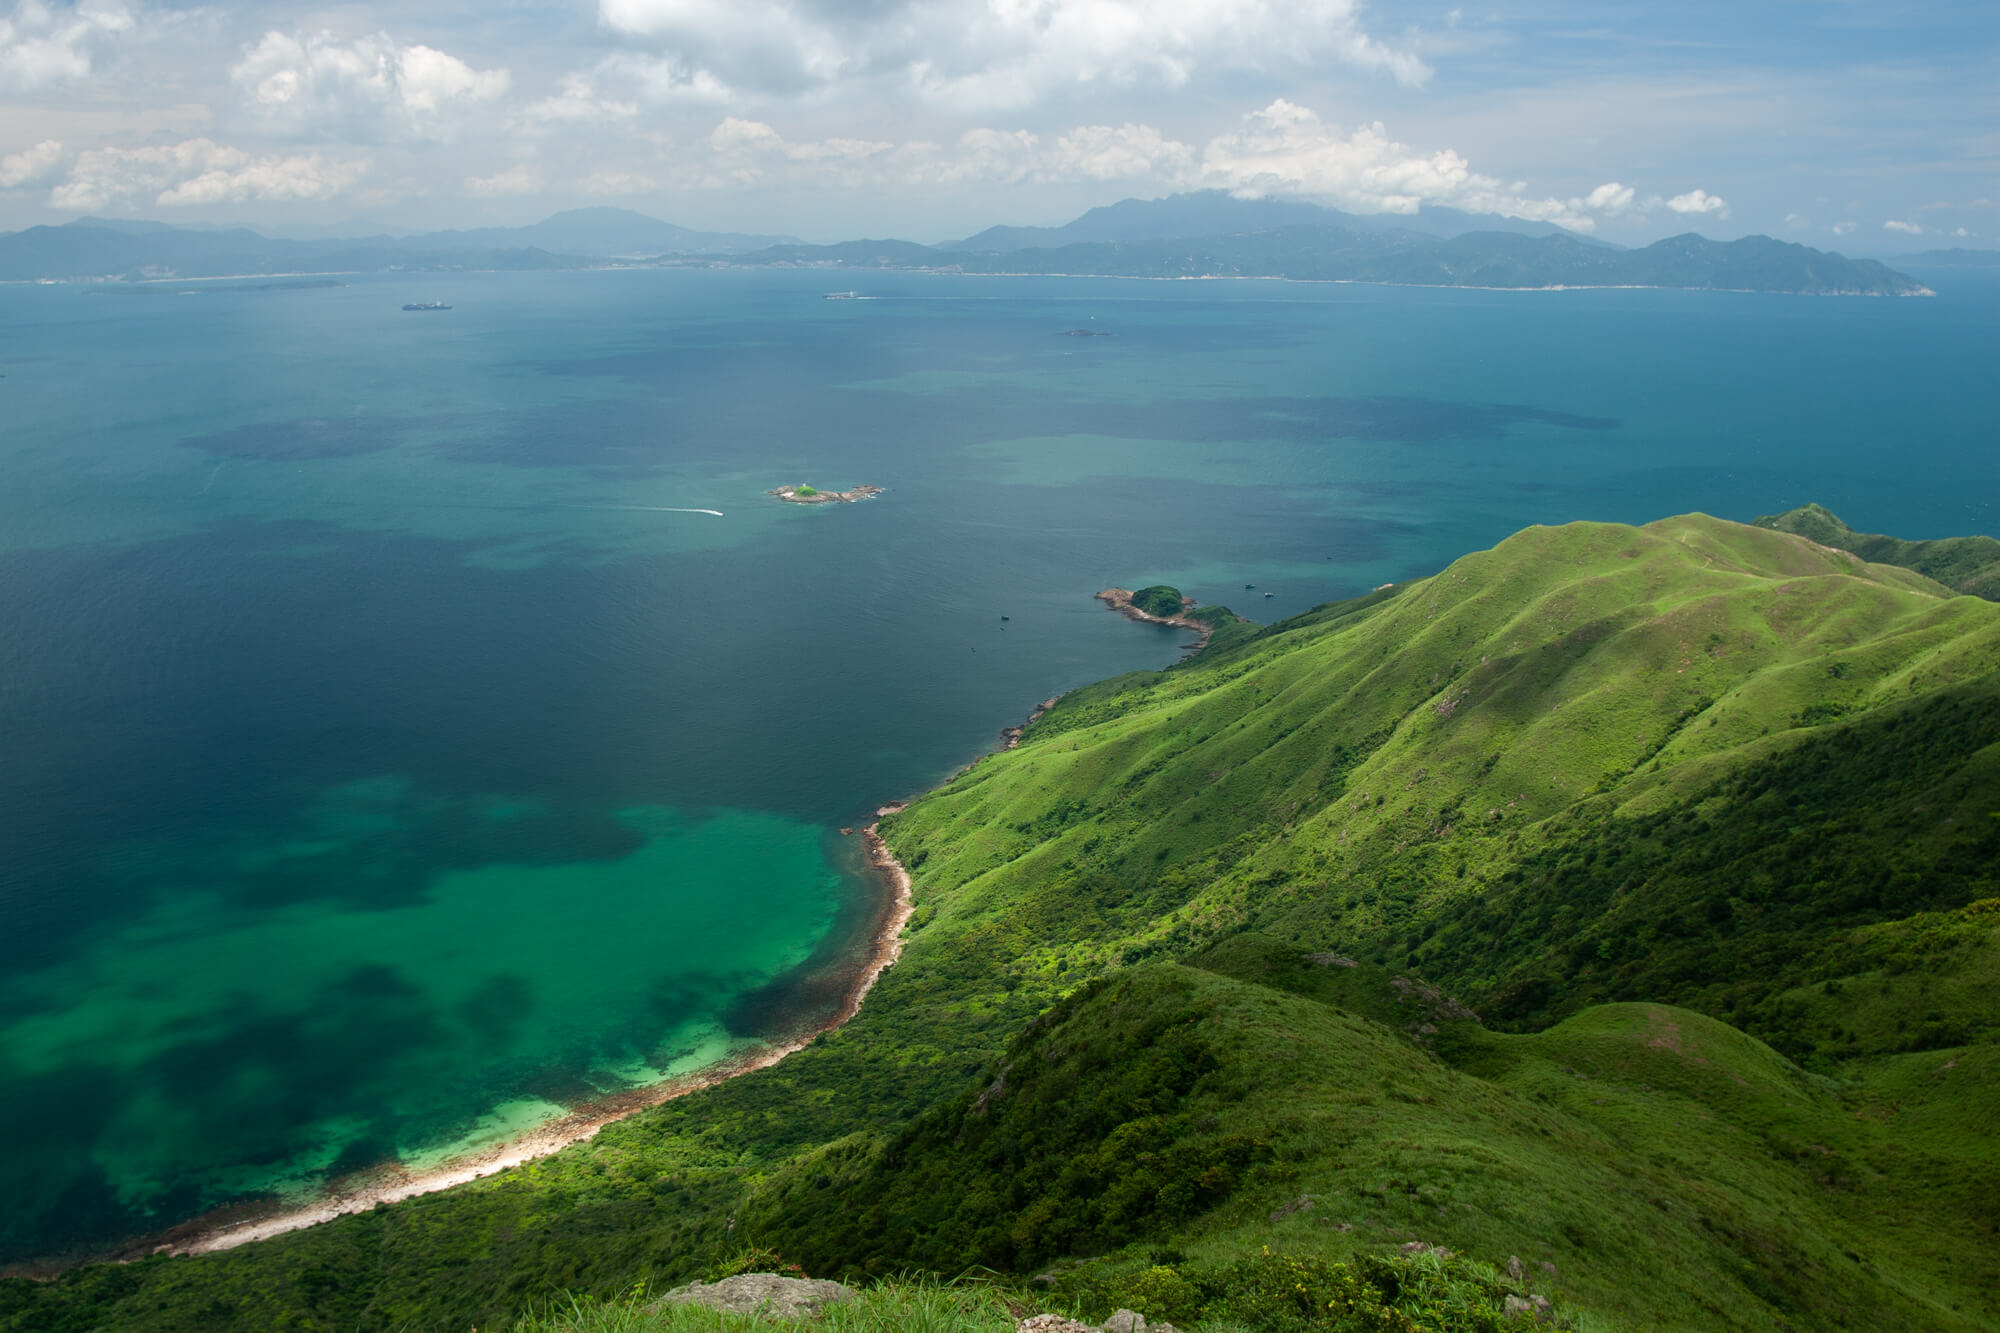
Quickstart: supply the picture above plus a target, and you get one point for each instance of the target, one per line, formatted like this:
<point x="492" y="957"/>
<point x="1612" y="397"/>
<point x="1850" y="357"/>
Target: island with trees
<point x="803" y="494"/>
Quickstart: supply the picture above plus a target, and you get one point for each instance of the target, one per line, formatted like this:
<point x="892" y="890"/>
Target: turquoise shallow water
<point x="388" y="767"/>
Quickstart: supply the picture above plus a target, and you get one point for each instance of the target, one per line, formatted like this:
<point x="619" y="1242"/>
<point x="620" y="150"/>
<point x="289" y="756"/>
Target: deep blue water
<point x="386" y="767"/>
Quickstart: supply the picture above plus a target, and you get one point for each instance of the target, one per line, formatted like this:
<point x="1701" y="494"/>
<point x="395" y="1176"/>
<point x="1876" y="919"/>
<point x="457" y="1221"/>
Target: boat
<point x="843" y="296"/>
<point x="428" y="305"/>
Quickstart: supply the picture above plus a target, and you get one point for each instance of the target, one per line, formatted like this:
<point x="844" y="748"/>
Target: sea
<point x="395" y="751"/>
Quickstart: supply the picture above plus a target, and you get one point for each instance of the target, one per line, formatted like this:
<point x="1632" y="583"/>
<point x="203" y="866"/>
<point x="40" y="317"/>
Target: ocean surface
<point x="390" y="760"/>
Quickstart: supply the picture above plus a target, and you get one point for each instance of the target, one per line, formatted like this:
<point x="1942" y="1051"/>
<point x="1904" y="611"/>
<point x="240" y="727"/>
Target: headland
<point x="1134" y="606"/>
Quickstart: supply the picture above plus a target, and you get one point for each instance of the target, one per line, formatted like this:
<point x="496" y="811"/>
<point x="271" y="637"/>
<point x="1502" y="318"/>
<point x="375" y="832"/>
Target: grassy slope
<point x="1361" y="778"/>
<point x="1963" y="564"/>
<point x="1357" y="772"/>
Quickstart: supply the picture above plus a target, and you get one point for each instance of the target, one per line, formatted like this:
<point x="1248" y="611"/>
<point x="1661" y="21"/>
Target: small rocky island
<point x="803" y="494"/>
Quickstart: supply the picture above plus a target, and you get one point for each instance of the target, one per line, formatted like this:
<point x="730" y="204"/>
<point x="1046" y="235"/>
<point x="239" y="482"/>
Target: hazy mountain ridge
<point x="1954" y="258"/>
<point x="1180" y="982"/>
<point x="1185" y="236"/>
<point x="1217" y="212"/>
<point x="1338" y="254"/>
<point x="96" y="248"/>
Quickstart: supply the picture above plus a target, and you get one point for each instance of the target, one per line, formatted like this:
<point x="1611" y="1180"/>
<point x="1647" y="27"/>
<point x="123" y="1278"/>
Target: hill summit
<point x="1609" y="921"/>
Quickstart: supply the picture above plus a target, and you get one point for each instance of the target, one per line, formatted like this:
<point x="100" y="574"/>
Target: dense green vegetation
<point x="1280" y="1292"/>
<point x="1159" y="600"/>
<point x="1699" y="820"/>
<point x="805" y="490"/>
<point x="1963" y="564"/>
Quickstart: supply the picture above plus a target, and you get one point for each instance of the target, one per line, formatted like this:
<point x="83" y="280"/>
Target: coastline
<point x="229" y="1227"/>
<point x="1010" y="737"/>
<point x="1120" y="600"/>
<point x="1322" y="282"/>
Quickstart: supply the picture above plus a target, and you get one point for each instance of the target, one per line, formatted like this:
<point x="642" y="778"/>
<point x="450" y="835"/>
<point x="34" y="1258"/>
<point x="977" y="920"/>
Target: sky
<point x="1867" y="126"/>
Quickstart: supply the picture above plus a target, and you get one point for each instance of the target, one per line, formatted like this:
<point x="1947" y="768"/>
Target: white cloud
<point x="1797" y="222"/>
<point x="41" y="45"/>
<point x="1287" y="149"/>
<point x="1842" y="228"/>
<point x="313" y="86"/>
<point x="1611" y="198"/>
<point x="747" y="150"/>
<point x="1907" y="228"/>
<point x="1961" y="232"/>
<point x="30" y="166"/>
<point x="667" y="81"/>
<point x="1124" y="152"/>
<point x="577" y="101"/>
<point x="973" y="56"/>
<point x="515" y="180"/>
<point x="1284" y="149"/>
<point x="1699" y="203"/>
<point x="200" y="171"/>
<point x="615" y="183"/>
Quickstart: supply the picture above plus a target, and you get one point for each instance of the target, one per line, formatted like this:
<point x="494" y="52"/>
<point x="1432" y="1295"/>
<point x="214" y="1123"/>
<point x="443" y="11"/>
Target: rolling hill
<point x="1963" y="564"/>
<point x="1618" y="902"/>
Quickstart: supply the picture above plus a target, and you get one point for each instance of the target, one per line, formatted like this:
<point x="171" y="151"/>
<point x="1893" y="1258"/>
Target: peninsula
<point x="1163" y="605"/>
<point x="803" y="494"/>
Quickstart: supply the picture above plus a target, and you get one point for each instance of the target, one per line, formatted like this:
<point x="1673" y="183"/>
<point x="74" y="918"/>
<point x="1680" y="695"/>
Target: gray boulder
<point x="763" y="1294"/>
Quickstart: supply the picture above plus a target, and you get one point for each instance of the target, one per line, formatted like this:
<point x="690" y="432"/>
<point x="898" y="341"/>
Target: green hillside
<point x="1962" y="564"/>
<point x="1620" y="901"/>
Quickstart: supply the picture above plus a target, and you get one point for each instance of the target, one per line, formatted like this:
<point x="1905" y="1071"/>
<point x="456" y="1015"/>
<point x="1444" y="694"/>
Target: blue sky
<point x="1857" y="125"/>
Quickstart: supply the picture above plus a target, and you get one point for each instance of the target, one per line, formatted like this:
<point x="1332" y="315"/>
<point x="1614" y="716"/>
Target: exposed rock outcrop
<point x="765" y="1294"/>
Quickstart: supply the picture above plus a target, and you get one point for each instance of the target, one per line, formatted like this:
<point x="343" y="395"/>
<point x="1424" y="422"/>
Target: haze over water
<point x="388" y="764"/>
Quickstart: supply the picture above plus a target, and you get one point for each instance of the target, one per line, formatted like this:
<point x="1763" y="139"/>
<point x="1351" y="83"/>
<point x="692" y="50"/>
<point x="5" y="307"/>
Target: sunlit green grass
<point x="1699" y="817"/>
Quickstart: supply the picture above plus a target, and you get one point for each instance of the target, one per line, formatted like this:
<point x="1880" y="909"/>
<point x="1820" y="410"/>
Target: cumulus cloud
<point x="1842" y="228"/>
<point x="1907" y="228"/>
<point x="973" y="56"/>
<point x="314" y="86"/>
<point x="1284" y="149"/>
<point x="521" y="179"/>
<point x="1698" y="203"/>
<point x="200" y="171"/>
<point x="615" y="183"/>
<point x="747" y="151"/>
<point x="41" y="45"/>
<point x="30" y="166"/>
<point x="1122" y="152"/>
<point x="1287" y="149"/>
<point x="578" y="101"/>
<point x="666" y="80"/>
<point x="1611" y="199"/>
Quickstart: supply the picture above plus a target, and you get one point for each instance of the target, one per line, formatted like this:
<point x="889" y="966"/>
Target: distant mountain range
<point x="101" y="247"/>
<point x="1217" y="213"/>
<point x="1208" y="234"/>
<point x="1953" y="259"/>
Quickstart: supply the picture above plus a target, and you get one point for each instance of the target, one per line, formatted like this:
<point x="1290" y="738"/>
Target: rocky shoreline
<point x="806" y="495"/>
<point x="240" y="1224"/>
<point x="1120" y="600"/>
<point x="1011" y="736"/>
